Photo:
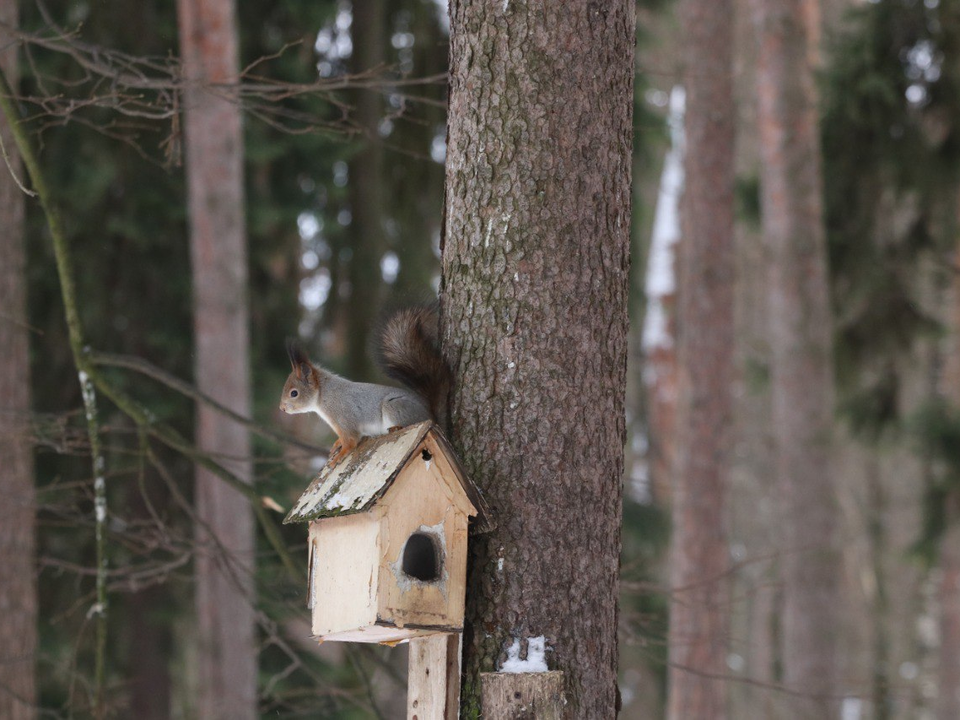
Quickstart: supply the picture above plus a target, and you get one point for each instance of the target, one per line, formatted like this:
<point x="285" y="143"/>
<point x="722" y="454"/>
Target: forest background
<point x="344" y="148"/>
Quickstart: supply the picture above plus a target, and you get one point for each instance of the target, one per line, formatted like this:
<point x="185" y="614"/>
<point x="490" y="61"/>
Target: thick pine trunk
<point x="699" y="609"/>
<point x="18" y="590"/>
<point x="227" y="657"/>
<point x="534" y="305"/>
<point x="800" y="343"/>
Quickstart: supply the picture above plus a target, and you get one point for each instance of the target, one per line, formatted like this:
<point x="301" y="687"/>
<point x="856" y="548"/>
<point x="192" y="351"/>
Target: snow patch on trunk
<point x="661" y="278"/>
<point x="536" y="660"/>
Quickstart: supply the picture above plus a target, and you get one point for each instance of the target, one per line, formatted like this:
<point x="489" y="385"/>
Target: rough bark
<point x="699" y="608"/>
<point x="800" y="342"/>
<point x="18" y="591"/>
<point x="227" y="665"/>
<point x="534" y="300"/>
<point x="366" y="237"/>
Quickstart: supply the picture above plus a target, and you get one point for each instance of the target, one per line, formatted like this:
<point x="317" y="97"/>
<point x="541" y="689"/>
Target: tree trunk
<point x="948" y="691"/>
<point x="227" y="658"/>
<point x="699" y="609"/>
<point x="18" y="588"/>
<point x="800" y="342"/>
<point x="948" y="680"/>
<point x="659" y="325"/>
<point x="534" y="305"/>
<point x="416" y="179"/>
<point x="366" y="234"/>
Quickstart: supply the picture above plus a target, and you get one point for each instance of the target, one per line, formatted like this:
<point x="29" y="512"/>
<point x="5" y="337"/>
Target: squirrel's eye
<point x="293" y="393"/>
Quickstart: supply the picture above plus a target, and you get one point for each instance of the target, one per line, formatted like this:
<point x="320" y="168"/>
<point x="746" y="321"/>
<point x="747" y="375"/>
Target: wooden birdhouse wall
<point x="426" y="501"/>
<point x="388" y="557"/>
<point x="344" y="569"/>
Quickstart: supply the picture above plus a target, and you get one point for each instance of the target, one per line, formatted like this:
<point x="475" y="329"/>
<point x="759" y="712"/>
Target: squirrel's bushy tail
<point x="409" y="353"/>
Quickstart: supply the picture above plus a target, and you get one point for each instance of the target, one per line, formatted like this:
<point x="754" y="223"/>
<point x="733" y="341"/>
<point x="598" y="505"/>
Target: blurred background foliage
<point x="891" y="152"/>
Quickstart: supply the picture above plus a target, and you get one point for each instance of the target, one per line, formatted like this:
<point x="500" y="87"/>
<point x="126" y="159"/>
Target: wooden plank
<point x="433" y="685"/>
<point x="522" y="696"/>
<point x="415" y="503"/>
<point x="344" y="574"/>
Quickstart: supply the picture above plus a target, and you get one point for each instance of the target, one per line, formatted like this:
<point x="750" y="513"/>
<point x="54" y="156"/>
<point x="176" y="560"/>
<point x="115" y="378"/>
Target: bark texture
<point x="534" y="323"/>
<point x="18" y="590"/>
<point x="800" y="343"/>
<point x="227" y="664"/>
<point x="699" y="609"/>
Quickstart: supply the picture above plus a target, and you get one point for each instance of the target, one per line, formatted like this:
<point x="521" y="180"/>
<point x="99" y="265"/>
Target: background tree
<point x="227" y="659"/>
<point x="890" y="185"/>
<point x="699" y="610"/>
<point x="366" y="240"/>
<point x="800" y="344"/>
<point x="18" y="587"/>
<point x="890" y="159"/>
<point x="534" y="299"/>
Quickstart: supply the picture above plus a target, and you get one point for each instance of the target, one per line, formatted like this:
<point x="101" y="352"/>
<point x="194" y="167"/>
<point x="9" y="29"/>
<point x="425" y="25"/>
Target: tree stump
<point x="522" y="696"/>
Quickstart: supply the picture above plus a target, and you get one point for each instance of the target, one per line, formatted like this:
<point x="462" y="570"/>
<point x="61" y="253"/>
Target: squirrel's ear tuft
<point x="295" y="353"/>
<point x="303" y="371"/>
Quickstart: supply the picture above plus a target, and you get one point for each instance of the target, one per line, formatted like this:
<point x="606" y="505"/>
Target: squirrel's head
<point x="302" y="389"/>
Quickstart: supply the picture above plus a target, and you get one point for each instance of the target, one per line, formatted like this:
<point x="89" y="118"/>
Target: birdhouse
<point x="388" y="539"/>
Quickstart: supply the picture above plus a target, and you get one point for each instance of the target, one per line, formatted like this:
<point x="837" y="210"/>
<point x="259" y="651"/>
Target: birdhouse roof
<point x="359" y="480"/>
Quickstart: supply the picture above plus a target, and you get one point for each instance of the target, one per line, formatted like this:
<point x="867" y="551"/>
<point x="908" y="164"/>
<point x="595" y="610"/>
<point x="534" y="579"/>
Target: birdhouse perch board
<point x="388" y="539"/>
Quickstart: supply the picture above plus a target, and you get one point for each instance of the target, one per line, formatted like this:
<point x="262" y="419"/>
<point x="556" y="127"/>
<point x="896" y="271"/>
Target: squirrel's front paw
<point x="336" y="452"/>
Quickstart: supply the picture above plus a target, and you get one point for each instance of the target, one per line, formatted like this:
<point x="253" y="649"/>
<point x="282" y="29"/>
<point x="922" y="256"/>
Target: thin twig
<point x="90" y="378"/>
<point x="77" y="344"/>
<point x="172" y="381"/>
<point x="13" y="172"/>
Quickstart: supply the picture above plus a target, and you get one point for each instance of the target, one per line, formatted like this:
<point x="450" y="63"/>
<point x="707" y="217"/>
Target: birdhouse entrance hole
<point x="421" y="557"/>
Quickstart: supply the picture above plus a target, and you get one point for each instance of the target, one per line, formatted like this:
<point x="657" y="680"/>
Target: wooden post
<point x="522" y="696"/>
<point x="433" y="679"/>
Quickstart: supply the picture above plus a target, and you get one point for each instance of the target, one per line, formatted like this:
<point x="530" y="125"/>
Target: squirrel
<point x="408" y="351"/>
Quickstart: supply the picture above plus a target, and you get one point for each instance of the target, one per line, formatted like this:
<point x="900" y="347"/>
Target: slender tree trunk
<point x="699" y="609"/>
<point x="416" y="180"/>
<point x="880" y="610"/>
<point x="18" y="589"/>
<point x="366" y="237"/>
<point x="535" y="273"/>
<point x="948" y="681"/>
<point x="148" y="638"/>
<point x="227" y="658"/>
<point x="659" y="325"/>
<point x="802" y="377"/>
